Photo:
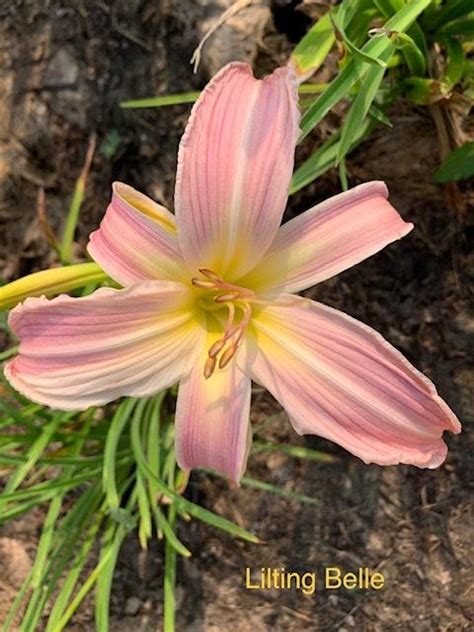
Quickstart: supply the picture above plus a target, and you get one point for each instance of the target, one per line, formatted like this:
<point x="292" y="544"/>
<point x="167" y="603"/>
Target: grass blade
<point x="169" y="577"/>
<point x="360" y="107"/>
<point x="110" y="549"/>
<point x="278" y="491"/>
<point x="161" y="521"/>
<point x="154" y="448"/>
<point x="194" y="510"/>
<point x="311" y="51"/>
<point x="61" y="600"/>
<point x="450" y="11"/>
<point x="455" y="65"/>
<point x="296" y="451"/>
<point x="339" y="19"/>
<point x="119" y="421"/>
<point x="86" y="587"/>
<point x="158" y="102"/>
<point x="65" y="251"/>
<point x="355" y="69"/>
<point x="324" y="158"/>
<point x="32" y="455"/>
<point x="414" y="57"/>
<point x="247" y="481"/>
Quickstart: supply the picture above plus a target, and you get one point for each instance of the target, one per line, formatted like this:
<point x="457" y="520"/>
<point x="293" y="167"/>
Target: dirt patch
<point x="65" y="67"/>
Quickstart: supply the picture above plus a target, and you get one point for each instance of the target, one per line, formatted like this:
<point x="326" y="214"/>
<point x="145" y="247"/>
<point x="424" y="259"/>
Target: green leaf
<point x="121" y="516"/>
<point x="339" y="18"/>
<point x="278" y="491"/>
<point x="72" y="577"/>
<point x="360" y="107"/>
<point x="67" y="539"/>
<point x="48" y="489"/>
<point x="379" y="115"/>
<point x="320" y="161"/>
<point x="456" y="61"/>
<point x="33" y="454"/>
<point x="9" y="353"/>
<point x="121" y="417"/>
<point x="191" y="97"/>
<point x="461" y="26"/>
<point x="356" y="69"/>
<point x="65" y="251"/>
<point x="157" y="102"/>
<point x="169" y="578"/>
<point x="88" y="584"/>
<point x="388" y="7"/>
<point x="359" y="14"/>
<point x="145" y="525"/>
<point x="154" y="446"/>
<point x="324" y="158"/>
<point x="423" y="91"/>
<point x="296" y="451"/>
<point x="194" y="510"/>
<point x="269" y="487"/>
<point x="110" y="549"/>
<point x="145" y="471"/>
<point x="457" y="165"/>
<point x="452" y="10"/>
<point x="414" y="57"/>
<point x="313" y="48"/>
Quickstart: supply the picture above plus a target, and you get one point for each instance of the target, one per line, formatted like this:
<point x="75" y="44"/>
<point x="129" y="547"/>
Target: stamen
<point x="210" y="274"/>
<point x="216" y="348"/>
<point x="224" y="298"/>
<point x="230" y="320"/>
<point x="227" y="356"/>
<point x="205" y="285"/>
<point x="233" y="297"/>
<point x="209" y="367"/>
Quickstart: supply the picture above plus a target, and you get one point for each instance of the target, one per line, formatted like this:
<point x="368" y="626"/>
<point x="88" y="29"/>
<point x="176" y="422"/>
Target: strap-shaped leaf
<point x="360" y="107"/>
<point x="339" y="18"/>
<point x="314" y="47"/>
<point x="355" y="69"/>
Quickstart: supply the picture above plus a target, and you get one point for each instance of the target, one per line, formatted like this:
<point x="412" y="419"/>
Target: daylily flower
<point x="209" y="300"/>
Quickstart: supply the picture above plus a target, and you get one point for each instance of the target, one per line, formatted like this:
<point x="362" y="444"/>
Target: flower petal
<point x="136" y="240"/>
<point x="340" y="379"/>
<point x="78" y="352"/>
<point x="212" y="421"/>
<point x="329" y="238"/>
<point x="234" y="168"/>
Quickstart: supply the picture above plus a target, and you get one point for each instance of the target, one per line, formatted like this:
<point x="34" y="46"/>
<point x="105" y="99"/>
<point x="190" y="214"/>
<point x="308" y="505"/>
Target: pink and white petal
<point x="329" y="238"/>
<point x="212" y="421"/>
<point x="339" y="379"/>
<point x="234" y="168"/>
<point x="136" y="240"/>
<point x="78" y="352"/>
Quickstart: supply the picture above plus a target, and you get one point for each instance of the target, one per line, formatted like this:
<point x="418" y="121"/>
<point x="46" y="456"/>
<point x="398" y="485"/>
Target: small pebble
<point x="132" y="605"/>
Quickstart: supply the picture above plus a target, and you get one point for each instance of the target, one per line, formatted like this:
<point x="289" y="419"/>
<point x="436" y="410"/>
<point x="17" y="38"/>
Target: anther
<point x="216" y="348"/>
<point x="209" y="274"/>
<point x="209" y="367"/>
<point x="205" y="285"/>
<point x="227" y="356"/>
<point x="224" y="298"/>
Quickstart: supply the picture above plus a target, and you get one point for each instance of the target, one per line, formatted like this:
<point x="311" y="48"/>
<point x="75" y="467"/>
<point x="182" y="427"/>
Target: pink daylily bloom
<point x="208" y="300"/>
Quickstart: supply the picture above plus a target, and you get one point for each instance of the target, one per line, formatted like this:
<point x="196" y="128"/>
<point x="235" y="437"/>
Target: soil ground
<point x="65" y="66"/>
